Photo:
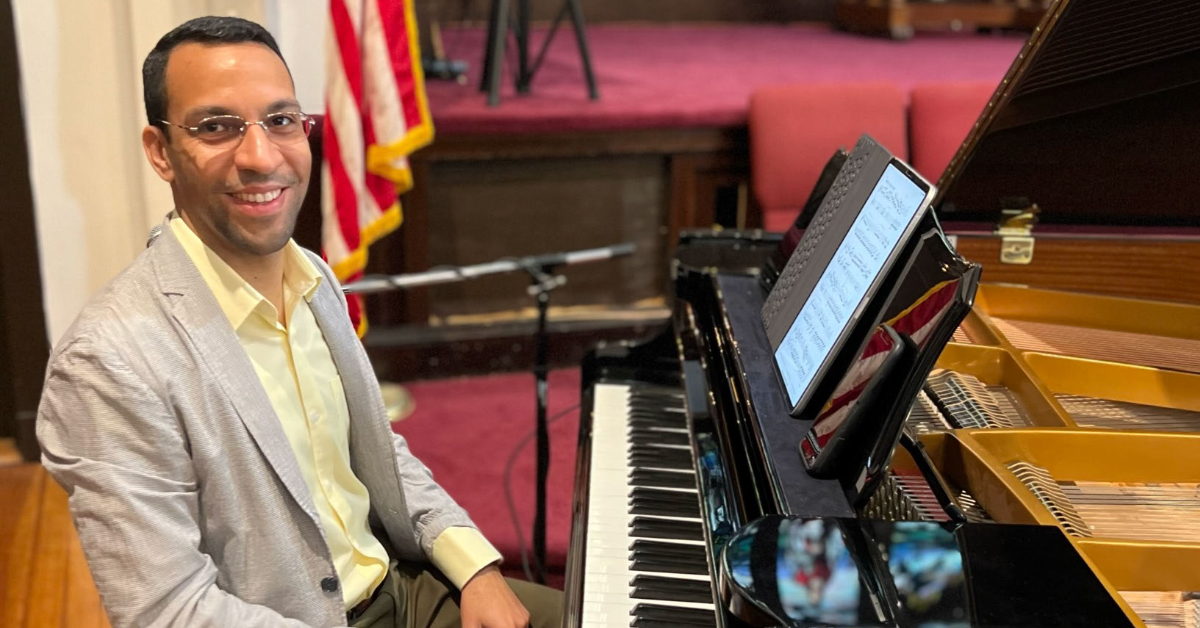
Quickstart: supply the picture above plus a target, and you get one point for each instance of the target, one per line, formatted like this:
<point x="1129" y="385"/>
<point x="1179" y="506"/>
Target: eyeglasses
<point x="287" y="127"/>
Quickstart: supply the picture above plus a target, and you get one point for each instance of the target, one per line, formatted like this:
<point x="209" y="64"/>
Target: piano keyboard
<point x="645" y="559"/>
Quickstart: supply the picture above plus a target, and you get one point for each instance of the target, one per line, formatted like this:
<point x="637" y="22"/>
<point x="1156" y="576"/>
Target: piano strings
<point x="1179" y="354"/>
<point x="1165" y="609"/>
<point x="1120" y="415"/>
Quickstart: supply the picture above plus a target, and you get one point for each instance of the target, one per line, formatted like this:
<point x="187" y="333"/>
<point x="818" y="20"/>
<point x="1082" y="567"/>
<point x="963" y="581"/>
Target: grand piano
<point x="1063" y="426"/>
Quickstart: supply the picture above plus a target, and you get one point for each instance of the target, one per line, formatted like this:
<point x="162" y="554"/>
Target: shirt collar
<point x="237" y="298"/>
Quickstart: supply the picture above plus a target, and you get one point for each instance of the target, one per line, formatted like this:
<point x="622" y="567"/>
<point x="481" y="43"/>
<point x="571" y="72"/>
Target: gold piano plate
<point x="1113" y="329"/>
<point x="1079" y="360"/>
<point x="1119" y="396"/>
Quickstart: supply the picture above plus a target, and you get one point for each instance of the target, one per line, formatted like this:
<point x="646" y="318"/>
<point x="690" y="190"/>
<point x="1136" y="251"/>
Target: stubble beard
<point x="236" y="237"/>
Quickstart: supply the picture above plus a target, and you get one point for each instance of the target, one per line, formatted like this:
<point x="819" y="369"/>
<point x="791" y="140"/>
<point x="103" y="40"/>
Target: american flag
<point x="376" y="115"/>
<point x="917" y="322"/>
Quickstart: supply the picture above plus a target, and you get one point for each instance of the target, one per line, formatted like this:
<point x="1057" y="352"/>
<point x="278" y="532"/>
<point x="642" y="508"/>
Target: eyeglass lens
<point x="280" y="127"/>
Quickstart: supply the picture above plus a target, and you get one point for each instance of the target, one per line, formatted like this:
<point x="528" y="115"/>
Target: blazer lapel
<point x="195" y="308"/>
<point x="370" y="437"/>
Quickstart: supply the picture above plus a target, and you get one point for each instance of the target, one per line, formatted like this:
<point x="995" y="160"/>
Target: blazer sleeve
<point x="116" y="447"/>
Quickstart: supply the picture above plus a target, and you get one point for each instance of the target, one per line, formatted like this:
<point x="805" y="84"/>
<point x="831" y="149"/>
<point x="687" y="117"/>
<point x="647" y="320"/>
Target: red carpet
<point x="696" y="75"/>
<point x="465" y="430"/>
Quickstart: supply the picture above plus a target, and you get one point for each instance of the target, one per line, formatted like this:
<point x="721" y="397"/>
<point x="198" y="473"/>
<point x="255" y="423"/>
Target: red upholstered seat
<point x="795" y="128"/>
<point x="939" y="118"/>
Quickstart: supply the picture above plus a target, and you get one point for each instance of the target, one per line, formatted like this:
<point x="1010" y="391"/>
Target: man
<point x="212" y="414"/>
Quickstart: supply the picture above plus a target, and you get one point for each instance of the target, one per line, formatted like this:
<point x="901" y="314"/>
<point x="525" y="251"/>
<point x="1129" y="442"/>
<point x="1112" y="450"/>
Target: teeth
<point x="265" y="197"/>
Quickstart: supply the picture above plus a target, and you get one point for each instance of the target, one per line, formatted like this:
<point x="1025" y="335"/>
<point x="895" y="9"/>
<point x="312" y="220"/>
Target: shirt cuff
<point x="460" y="553"/>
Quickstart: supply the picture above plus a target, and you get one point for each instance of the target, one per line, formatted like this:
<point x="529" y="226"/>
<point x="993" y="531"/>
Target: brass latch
<point x="1016" y="234"/>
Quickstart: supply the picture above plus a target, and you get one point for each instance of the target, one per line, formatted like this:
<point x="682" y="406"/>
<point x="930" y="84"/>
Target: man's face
<point x="241" y="198"/>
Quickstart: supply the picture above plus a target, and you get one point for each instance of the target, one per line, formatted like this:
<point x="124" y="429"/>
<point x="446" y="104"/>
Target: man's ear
<point x="154" y="142"/>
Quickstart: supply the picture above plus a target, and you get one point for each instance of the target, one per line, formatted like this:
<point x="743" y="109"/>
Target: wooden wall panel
<point x="482" y="212"/>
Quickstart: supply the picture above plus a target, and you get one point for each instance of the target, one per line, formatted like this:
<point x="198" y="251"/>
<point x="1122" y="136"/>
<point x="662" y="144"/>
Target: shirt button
<point x="313" y="417"/>
<point x="329" y="584"/>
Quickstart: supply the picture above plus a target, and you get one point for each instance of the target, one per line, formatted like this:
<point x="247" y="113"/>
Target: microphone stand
<point x="543" y="279"/>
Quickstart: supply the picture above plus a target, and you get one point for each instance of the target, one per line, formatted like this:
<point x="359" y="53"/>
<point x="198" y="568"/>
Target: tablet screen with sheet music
<point x="871" y="245"/>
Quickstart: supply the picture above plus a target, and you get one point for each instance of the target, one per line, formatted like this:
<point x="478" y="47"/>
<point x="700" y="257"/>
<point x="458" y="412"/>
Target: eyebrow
<point x="206" y="112"/>
<point x="284" y="104"/>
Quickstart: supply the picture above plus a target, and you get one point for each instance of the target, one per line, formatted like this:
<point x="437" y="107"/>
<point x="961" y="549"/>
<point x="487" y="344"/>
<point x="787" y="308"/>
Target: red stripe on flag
<point x="344" y="197"/>
<point x="396" y="30"/>
<point x="926" y="310"/>
<point x="347" y="43"/>
<point x="383" y="190"/>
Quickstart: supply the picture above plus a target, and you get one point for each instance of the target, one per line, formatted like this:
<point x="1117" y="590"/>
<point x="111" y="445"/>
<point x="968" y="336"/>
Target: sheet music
<point x="844" y="283"/>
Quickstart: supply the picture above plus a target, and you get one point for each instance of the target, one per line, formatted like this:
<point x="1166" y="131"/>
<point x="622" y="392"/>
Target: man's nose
<point x="256" y="151"/>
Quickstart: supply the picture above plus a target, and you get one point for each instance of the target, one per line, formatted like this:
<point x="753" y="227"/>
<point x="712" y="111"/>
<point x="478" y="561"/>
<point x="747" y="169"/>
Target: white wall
<point x="95" y="196"/>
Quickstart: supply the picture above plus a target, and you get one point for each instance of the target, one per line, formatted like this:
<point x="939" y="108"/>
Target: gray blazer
<point x="187" y="497"/>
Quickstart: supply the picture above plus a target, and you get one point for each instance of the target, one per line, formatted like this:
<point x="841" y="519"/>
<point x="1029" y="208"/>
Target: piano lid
<point x="1097" y="121"/>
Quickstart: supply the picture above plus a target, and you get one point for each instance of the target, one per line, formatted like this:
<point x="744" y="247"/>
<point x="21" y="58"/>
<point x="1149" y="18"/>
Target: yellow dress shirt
<point x="297" y="371"/>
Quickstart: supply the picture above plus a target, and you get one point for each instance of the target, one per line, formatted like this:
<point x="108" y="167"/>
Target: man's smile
<point x="260" y="197"/>
<point x="259" y="200"/>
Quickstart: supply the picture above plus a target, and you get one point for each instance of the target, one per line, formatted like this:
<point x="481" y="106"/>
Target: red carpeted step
<point x="465" y="429"/>
<point x="694" y="75"/>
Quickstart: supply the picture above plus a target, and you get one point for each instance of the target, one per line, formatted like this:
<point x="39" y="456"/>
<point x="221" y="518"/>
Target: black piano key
<point x="673" y="453"/>
<point x="643" y="507"/>
<point x="650" y="437"/>
<point x="675" y="614"/>
<point x="660" y="419"/>
<point x="675" y="419"/>
<point x="657" y="409"/>
<point x="658" y="462"/>
<point x="682" y="497"/>
<point x="647" y="421"/>
<point x="664" y="479"/>
<point x="689" y="508"/>
<point x="670" y="583"/>
<point x="657" y="438"/>
<point x="656" y="392"/>
<point x="662" y="565"/>
<point x="650" y="623"/>
<point x="681" y="506"/>
<point x="672" y="589"/>
<point x="658" y="548"/>
<point x="648" y="528"/>
<point x="658" y="399"/>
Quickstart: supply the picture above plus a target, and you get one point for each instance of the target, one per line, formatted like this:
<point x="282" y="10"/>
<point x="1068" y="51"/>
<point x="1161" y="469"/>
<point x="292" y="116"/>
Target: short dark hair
<point x="206" y="30"/>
